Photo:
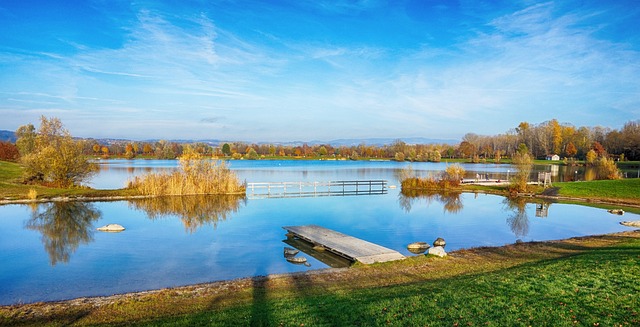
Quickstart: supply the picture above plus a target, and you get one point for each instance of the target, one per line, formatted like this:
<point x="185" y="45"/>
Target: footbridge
<point x="315" y="189"/>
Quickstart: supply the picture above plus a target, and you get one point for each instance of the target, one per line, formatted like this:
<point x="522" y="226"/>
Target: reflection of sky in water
<point x="162" y="252"/>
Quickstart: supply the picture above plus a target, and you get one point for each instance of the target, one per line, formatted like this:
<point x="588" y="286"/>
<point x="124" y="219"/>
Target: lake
<point x="53" y="252"/>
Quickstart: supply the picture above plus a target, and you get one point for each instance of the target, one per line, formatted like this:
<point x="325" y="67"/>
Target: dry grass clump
<point x="194" y="176"/>
<point x="449" y="179"/>
<point x="32" y="194"/>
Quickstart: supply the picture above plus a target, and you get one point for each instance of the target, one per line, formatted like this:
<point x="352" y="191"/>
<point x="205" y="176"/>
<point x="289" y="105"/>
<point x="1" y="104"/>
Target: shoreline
<point x="622" y="202"/>
<point x="232" y="292"/>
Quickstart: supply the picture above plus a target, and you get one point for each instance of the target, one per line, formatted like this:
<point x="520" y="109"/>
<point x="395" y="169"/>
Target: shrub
<point x="195" y="176"/>
<point x="606" y="169"/>
<point x="32" y="194"/>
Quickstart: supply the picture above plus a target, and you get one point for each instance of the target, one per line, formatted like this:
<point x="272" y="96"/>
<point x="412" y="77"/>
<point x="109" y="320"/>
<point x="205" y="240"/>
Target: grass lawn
<point x="589" y="281"/>
<point x="605" y="189"/>
<point x="11" y="187"/>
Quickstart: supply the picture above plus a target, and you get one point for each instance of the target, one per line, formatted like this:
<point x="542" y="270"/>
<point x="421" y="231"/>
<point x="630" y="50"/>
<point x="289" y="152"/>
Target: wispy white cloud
<point x="536" y="63"/>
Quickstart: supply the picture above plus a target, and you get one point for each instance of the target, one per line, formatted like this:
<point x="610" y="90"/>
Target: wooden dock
<point x="315" y="189"/>
<point x="343" y="245"/>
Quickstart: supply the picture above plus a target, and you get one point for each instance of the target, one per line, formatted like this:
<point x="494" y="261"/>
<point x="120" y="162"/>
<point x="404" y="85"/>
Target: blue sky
<point x="317" y="70"/>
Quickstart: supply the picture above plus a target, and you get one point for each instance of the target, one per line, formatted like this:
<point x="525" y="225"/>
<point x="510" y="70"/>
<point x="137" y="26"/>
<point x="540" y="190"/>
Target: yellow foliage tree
<point x="57" y="158"/>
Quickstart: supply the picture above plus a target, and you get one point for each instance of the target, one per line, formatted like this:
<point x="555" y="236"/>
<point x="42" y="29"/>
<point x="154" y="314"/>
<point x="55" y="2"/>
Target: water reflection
<point x="64" y="226"/>
<point x="194" y="211"/>
<point x="451" y="201"/>
<point x="518" y="219"/>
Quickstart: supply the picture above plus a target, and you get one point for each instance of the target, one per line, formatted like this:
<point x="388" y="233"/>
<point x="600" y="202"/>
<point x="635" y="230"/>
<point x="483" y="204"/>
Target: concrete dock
<point x="344" y="245"/>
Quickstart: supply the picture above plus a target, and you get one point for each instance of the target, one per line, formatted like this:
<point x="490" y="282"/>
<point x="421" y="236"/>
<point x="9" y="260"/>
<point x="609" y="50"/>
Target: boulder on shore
<point x="632" y="223"/>
<point x="439" y="242"/>
<point x="437" y="250"/>
<point x="111" y="228"/>
<point x="418" y="247"/>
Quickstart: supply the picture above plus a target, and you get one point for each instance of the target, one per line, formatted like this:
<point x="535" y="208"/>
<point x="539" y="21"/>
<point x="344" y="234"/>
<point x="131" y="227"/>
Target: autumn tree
<point x="524" y="163"/>
<point x="129" y="153"/>
<point x="599" y="149"/>
<point x="252" y="154"/>
<point x="56" y="157"/>
<point x="26" y="139"/>
<point x="8" y="151"/>
<point x="556" y="136"/>
<point x="591" y="157"/>
<point x="147" y="149"/>
<point x="466" y="149"/>
<point x="571" y="150"/>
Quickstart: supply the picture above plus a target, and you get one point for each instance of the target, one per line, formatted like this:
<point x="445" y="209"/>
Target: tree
<point x="591" y="157"/>
<point x="147" y="149"/>
<point x="8" y="151"/>
<point x="556" y="136"/>
<point x="226" y="149"/>
<point x="322" y="151"/>
<point x="252" y="154"/>
<point x="26" y="139"/>
<point x="466" y="149"/>
<point x="524" y="163"/>
<point x="599" y="149"/>
<point x="129" y="153"/>
<point x="56" y="157"/>
<point x="571" y="150"/>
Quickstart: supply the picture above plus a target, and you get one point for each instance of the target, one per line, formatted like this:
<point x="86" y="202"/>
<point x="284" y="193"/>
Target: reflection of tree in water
<point x="451" y="201"/>
<point x="194" y="210"/>
<point x="518" y="221"/>
<point x="64" y="226"/>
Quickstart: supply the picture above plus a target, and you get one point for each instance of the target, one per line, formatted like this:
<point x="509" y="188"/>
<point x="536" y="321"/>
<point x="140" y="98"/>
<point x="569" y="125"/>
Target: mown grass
<point x="603" y="189"/>
<point x="12" y="188"/>
<point x="586" y="282"/>
<point x="597" y="287"/>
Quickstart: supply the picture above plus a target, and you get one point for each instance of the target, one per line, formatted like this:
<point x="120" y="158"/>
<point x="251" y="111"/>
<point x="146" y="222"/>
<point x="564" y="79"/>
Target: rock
<point x="437" y="250"/>
<point x="633" y="223"/>
<point x="439" y="242"/>
<point x="418" y="247"/>
<point x="290" y="251"/>
<point x="111" y="228"/>
<point x="616" y="211"/>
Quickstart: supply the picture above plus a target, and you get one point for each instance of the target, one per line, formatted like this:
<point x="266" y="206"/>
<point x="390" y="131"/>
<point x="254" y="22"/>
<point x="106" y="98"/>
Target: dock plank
<point x="344" y="245"/>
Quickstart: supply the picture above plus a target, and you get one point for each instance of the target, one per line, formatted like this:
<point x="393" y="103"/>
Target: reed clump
<point x="449" y="179"/>
<point x="196" y="175"/>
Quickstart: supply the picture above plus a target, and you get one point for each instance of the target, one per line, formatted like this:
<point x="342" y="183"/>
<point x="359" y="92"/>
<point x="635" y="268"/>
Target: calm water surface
<point x="53" y="252"/>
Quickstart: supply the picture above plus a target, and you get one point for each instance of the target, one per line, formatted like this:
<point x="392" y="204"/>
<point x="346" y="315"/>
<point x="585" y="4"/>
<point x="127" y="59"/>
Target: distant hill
<point x="11" y="137"/>
<point x="7" y="136"/>
<point x="387" y="141"/>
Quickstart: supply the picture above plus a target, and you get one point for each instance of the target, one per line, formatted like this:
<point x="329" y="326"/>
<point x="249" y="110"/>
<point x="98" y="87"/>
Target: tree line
<point x="543" y="140"/>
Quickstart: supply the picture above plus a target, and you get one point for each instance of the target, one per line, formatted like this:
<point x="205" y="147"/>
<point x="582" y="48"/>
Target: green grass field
<point x="605" y="189"/>
<point x="11" y="187"/>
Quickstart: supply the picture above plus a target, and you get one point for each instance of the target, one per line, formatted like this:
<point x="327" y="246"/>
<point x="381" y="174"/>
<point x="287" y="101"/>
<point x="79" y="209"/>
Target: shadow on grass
<point x="62" y="318"/>
<point x="260" y="312"/>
